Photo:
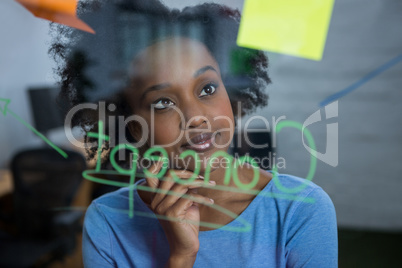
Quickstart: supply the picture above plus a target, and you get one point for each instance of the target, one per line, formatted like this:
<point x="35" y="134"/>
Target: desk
<point x="6" y="182"/>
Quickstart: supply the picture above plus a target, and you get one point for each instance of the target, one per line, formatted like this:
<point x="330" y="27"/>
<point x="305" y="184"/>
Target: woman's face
<point x="176" y="87"/>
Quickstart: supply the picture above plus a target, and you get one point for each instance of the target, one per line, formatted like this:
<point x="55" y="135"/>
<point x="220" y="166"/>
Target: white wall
<point x="23" y="63"/>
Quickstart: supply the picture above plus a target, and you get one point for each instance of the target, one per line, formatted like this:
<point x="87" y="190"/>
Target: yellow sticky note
<point x="293" y="27"/>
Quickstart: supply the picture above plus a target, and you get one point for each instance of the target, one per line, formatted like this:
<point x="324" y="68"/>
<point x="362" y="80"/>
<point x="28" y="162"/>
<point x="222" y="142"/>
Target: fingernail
<point x="212" y="201"/>
<point x="201" y="177"/>
<point x="212" y="182"/>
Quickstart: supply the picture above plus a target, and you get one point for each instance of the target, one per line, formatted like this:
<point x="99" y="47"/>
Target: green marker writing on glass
<point x="231" y="172"/>
<point x="5" y="111"/>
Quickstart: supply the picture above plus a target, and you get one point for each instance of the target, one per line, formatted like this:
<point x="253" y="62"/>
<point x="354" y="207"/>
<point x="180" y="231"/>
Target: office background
<point x="363" y="36"/>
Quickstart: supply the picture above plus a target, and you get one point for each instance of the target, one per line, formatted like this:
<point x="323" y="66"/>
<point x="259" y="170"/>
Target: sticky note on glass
<point x="60" y="11"/>
<point x="293" y="27"/>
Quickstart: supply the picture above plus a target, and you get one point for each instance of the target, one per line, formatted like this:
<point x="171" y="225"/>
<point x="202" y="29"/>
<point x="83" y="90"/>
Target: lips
<point x="201" y="142"/>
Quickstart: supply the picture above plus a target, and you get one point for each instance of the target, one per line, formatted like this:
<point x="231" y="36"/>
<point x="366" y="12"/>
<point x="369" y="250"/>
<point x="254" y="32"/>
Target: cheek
<point x="165" y="131"/>
<point x="224" y="110"/>
<point x="225" y="105"/>
<point x="225" y="122"/>
<point x="166" y="134"/>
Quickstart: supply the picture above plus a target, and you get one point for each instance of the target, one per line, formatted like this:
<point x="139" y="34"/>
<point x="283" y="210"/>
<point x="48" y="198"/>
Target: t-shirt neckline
<point x="243" y="214"/>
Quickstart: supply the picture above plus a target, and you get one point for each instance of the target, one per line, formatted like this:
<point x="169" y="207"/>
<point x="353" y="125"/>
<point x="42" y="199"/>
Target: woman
<point x="177" y="83"/>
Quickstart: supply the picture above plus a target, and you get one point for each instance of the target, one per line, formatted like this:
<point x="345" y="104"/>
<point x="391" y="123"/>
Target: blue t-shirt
<point x="296" y="230"/>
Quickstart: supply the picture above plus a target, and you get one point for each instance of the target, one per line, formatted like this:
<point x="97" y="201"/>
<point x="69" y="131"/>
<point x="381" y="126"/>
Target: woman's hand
<point x="181" y="227"/>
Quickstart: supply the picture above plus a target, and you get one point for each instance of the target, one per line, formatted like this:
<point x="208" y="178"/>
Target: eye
<point x="208" y="90"/>
<point x="162" y="104"/>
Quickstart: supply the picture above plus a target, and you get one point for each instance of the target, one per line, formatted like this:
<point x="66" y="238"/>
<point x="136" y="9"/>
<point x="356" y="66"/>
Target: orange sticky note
<point x="60" y="11"/>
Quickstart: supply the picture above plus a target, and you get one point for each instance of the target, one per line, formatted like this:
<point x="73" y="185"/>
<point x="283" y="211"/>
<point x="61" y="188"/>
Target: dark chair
<point x="46" y="226"/>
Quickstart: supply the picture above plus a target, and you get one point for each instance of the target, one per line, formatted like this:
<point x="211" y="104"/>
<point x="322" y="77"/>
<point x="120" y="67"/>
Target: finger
<point x="195" y="190"/>
<point x="175" y="190"/>
<point x="154" y="169"/>
<point x="195" y="198"/>
<point x="180" y="207"/>
<point x="166" y="183"/>
<point x="182" y="174"/>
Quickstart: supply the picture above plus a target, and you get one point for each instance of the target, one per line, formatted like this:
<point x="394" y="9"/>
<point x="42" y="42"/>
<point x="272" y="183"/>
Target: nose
<point x="196" y="122"/>
<point x="194" y="116"/>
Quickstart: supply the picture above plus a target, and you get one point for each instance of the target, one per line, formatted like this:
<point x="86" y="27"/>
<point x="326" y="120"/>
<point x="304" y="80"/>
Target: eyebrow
<point x="154" y="88"/>
<point x="203" y="70"/>
<point x="166" y="85"/>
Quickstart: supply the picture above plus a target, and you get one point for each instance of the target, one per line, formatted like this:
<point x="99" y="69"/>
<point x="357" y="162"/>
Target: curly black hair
<point x="94" y="67"/>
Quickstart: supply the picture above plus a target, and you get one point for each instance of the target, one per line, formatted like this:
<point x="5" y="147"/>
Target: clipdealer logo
<point x="330" y="156"/>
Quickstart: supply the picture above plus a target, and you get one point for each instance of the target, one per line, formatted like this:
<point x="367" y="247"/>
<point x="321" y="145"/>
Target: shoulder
<point x="103" y="208"/>
<point x="296" y="187"/>
<point x="116" y="208"/>
<point x="300" y="198"/>
<point x="109" y="210"/>
<point x="97" y="245"/>
<point x="292" y="184"/>
<point x="116" y="199"/>
<point x="310" y="225"/>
